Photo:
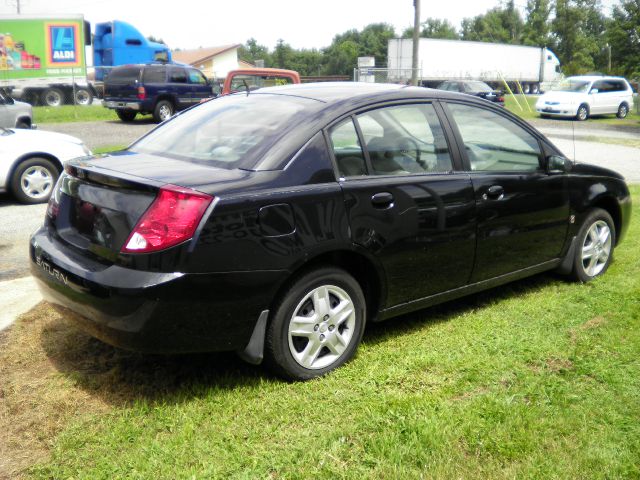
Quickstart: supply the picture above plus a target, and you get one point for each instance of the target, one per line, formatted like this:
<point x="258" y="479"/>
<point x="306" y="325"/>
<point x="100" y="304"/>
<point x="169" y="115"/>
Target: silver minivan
<point x="587" y="95"/>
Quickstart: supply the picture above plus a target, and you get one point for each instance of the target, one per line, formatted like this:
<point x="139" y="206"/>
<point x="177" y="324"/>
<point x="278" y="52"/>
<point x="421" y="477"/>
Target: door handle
<point x="494" y="192"/>
<point x="382" y="200"/>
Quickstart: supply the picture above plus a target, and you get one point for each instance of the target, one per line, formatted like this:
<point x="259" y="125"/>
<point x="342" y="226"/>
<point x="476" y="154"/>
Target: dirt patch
<point x="51" y="374"/>
<point x="558" y="365"/>
<point x="595" y="322"/>
<point x="35" y="400"/>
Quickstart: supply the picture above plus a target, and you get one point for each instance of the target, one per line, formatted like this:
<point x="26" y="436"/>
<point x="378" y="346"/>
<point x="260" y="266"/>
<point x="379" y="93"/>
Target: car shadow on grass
<point x="120" y="377"/>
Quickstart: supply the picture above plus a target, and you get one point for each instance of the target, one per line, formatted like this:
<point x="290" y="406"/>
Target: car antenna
<point x="573" y="132"/>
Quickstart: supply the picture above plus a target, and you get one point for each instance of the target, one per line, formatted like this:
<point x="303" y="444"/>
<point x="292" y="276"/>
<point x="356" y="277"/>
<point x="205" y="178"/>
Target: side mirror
<point x="593" y="90"/>
<point x="557" y="164"/>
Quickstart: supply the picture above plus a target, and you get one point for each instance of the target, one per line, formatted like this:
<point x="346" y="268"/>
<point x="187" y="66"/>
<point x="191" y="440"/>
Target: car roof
<point x="591" y="78"/>
<point x="353" y="94"/>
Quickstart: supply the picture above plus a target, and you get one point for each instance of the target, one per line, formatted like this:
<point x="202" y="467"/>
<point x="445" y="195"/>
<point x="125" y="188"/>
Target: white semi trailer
<point x="535" y="68"/>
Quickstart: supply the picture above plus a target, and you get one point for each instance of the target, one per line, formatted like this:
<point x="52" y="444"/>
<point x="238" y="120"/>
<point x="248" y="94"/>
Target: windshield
<point x="572" y="85"/>
<point x="232" y="131"/>
<point x="477" y="87"/>
<point x="241" y="82"/>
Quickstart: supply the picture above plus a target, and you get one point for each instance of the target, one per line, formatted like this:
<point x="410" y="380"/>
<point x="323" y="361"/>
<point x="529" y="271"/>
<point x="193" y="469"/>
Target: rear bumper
<point x="149" y="311"/>
<point x="117" y="105"/>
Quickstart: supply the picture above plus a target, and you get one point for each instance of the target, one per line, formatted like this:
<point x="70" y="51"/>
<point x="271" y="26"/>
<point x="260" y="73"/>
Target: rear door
<point x="523" y="211"/>
<point x="406" y="206"/>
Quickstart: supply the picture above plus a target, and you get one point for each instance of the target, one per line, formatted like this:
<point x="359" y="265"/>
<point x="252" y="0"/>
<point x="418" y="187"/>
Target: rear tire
<point x="164" y="110"/>
<point x="594" y="246"/>
<point x="33" y="180"/>
<point x="583" y="112"/>
<point x="126" y="115"/>
<point x="53" y="97"/>
<point x="535" y="88"/>
<point x="316" y="326"/>
<point x="623" y="110"/>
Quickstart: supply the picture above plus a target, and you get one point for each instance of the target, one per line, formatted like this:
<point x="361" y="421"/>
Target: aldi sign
<point x="63" y="44"/>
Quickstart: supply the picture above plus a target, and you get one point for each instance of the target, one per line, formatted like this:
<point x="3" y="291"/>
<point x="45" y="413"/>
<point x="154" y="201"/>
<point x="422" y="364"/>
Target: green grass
<point x="537" y="379"/>
<point x="633" y="119"/>
<point x="109" y="148"/>
<point x="72" y="113"/>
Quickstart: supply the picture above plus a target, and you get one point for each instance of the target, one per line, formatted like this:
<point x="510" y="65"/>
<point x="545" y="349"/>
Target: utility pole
<point x="416" y="42"/>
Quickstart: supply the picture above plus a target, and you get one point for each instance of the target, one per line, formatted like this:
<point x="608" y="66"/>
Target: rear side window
<point x="347" y="149"/>
<point x="405" y="140"/>
<point x="493" y="142"/>
<point x="154" y="75"/>
<point x="177" y="75"/>
<point x="124" y="75"/>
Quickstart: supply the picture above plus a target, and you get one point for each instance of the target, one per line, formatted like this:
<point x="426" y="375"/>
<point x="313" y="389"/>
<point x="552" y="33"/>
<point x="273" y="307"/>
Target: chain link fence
<point x="383" y="75"/>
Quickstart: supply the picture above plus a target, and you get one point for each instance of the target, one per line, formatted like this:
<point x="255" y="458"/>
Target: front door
<point x="405" y="205"/>
<point x="523" y="211"/>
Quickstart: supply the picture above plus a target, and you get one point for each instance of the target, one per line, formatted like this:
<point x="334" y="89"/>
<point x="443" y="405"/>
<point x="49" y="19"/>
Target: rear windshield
<point x="124" y="75"/>
<point x="477" y="87"/>
<point x="233" y="131"/>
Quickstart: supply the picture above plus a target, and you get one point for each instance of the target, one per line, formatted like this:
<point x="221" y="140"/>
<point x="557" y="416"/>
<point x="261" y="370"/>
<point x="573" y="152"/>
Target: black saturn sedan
<point x="278" y="223"/>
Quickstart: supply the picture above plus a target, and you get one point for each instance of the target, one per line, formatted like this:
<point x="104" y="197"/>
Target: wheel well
<point x="26" y="120"/>
<point x="357" y="265"/>
<point x="168" y="98"/>
<point x="29" y="156"/>
<point x="612" y="208"/>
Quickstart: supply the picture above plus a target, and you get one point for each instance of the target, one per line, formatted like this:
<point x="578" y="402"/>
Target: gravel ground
<point x="18" y="222"/>
<point x="102" y="134"/>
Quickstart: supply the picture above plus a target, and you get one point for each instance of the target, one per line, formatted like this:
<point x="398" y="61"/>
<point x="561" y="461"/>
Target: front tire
<point x="33" y="180"/>
<point x="316" y="326"/>
<point x="623" y="110"/>
<point x="583" y="113"/>
<point x="594" y="248"/>
<point x="163" y="111"/>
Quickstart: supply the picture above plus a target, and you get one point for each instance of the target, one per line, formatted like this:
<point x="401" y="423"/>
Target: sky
<point x="302" y="24"/>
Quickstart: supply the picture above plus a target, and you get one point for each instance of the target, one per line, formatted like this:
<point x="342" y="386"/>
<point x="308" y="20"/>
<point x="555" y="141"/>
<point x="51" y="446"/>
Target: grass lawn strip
<point x="537" y="379"/>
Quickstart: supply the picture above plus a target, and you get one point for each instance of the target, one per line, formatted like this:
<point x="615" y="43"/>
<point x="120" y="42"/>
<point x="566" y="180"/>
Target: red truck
<point x="253" y="78"/>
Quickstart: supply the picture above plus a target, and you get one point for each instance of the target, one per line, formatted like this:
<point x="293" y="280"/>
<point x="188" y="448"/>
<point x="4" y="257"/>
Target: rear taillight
<point x="171" y="219"/>
<point x="142" y="93"/>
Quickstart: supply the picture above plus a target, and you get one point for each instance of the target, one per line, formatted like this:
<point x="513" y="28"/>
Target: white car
<point x="31" y="161"/>
<point x="583" y="96"/>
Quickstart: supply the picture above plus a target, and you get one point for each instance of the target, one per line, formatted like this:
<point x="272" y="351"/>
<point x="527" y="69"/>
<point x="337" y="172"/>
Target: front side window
<point x="404" y="140"/>
<point x="196" y="77"/>
<point x="493" y="142"/>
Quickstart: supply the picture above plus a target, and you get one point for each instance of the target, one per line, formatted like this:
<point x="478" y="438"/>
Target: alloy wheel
<point x="322" y="327"/>
<point x="596" y="248"/>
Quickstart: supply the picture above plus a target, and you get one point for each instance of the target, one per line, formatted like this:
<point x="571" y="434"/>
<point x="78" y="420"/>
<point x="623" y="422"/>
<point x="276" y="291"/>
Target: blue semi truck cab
<point x="119" y="43"/>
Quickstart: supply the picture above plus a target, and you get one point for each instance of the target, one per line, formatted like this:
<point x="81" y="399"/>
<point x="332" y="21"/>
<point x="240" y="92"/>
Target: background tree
<point x="252" y="51"/>
<point x="536" y="30"/>
<point x="434" y="28"/>
<point x="500" y="25"/>
<point x="623" y="36"/>
<point x="579" y="41"/>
